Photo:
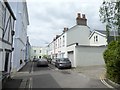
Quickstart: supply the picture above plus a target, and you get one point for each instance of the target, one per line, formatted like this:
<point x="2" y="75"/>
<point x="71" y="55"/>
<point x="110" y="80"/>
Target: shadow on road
<point x="12" y="83"/>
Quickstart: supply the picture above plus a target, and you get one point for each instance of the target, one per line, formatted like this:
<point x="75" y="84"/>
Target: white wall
<point x="1" y="60"/>
<point x="89" y="56"/>
<point x="20" y="38"/>
<point x="6" y="41"/>
<point x="1" y="32"/>
<point x="38" y="53"/>
<point x="61" y="49"/>
<point x="18" y="54"/>
<point x="72" y="57"/>
<point x="102" y="40"/>
<point x="78" y="34"/>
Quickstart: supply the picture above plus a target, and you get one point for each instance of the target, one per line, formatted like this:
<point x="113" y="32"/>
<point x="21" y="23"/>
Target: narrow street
<point x="82" y="36"/>
<point x="51" y="77"/>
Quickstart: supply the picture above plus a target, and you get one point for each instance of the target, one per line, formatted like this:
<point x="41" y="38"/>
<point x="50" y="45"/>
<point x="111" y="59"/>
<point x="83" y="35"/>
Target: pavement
<point x="91" y="71"/>
<point x="97" y="72"/>
<point x="18" y="79"/>
<point x="12" y="83"/>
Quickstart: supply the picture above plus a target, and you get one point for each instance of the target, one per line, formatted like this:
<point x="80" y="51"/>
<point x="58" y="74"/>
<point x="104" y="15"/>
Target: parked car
<point x="35" y="59"/>
<point x="42" y="62"/>
<point x="63" y="63"/>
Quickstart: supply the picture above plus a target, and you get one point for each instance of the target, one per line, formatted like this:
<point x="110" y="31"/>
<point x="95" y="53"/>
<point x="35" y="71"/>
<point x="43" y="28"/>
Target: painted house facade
<point x="28" y="50"/>
<point x="76" y="40"/>
<point x="7" y="20"/>
<point x="20" y="39"/>
<point x="98" y="38"/>
<point x="38" y="52"/>
<point x="58" y="47"/>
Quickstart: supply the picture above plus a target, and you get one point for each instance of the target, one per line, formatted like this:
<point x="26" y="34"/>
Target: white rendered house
<point x="20" y="39"/>
<point x="7" y="19"/>
<point x="28" y="50"/>
<point x="38" y="52"/>
<point x="97" y="38"/>
<point x="78" y="42"/>
<point x="77" y="34"/>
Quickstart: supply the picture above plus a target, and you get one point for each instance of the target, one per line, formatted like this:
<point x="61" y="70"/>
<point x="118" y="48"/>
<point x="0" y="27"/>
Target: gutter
<point x="9" y="8"/>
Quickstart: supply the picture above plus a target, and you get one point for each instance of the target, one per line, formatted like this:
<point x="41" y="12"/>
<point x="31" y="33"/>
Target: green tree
<point x="45" y="56"/>
<point x="110" y="15"/>
<point x="118" y="16"/>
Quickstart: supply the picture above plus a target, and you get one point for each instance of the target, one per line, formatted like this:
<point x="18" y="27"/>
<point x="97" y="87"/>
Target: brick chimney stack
<point x="81" y="20"/>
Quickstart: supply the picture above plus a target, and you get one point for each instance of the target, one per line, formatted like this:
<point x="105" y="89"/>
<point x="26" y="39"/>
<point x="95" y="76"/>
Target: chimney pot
<point x="83" y="16"/>
<point x="79" y="16"/>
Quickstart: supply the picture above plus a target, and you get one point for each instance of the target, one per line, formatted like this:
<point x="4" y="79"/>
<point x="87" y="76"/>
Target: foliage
<point x="110" y="14"/>
<point x="106" y="12"/>
<point x="45" y="56"/>
<point x="112" y="61"/>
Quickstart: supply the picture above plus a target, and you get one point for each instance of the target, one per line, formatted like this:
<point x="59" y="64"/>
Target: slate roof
<point x="112" y="33"/>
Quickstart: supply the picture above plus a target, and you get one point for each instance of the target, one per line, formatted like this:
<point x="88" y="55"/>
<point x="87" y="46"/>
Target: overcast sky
<point x="49" y="17"/>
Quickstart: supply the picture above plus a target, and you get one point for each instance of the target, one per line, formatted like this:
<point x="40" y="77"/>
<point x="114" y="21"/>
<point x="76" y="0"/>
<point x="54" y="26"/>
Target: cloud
<point x="49" y="17"/>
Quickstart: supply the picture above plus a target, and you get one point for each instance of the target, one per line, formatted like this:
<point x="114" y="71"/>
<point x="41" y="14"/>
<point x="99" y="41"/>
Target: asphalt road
<point x="51" y="77"/>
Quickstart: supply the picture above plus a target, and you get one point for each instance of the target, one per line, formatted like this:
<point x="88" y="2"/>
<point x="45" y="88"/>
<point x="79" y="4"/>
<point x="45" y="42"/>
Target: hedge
<point x="112" y="61"/>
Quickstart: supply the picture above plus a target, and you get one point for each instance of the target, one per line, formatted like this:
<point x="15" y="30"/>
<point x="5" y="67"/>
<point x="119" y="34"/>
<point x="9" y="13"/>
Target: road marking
<point x="109" y="86"/>
<point x="30" y="79"/>
<point x="30" y="83"/>
<point x="103" y="81"/>
<point x="32" y="67"/>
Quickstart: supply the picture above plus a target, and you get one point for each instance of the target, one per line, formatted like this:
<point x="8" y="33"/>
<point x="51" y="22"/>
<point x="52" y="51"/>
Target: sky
<point x="49" y="17"/>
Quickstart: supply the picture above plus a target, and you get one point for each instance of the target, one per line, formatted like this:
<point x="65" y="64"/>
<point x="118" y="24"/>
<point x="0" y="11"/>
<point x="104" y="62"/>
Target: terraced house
<point x="7" y="19"/>
<point x="38" y="52"/>
<point x="20" y="39"/>
<point x="81" y="45"/>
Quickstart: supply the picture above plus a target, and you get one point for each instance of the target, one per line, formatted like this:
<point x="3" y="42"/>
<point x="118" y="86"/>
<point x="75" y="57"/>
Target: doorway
<point x="6" y="62"/>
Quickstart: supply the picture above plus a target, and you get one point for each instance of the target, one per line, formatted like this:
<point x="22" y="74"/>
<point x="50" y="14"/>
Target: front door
<point x="6" y="61"/>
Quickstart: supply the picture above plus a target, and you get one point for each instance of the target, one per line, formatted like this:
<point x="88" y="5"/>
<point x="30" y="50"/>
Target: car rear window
<point x="42" y="60"/>
<point x="64" y="59"/>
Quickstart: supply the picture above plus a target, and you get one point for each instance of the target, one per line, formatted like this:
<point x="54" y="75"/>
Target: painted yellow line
<point x="30" y="83"/>
<point x="102" y="79"/>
